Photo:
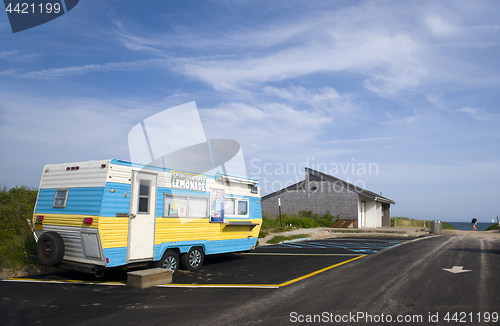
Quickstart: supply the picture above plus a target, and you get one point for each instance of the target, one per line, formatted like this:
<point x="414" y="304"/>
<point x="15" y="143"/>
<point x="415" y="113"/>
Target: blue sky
<point x="410" y="89"/>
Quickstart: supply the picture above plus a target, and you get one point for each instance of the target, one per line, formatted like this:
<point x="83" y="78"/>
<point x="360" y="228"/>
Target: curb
<point x="294" y="240"/>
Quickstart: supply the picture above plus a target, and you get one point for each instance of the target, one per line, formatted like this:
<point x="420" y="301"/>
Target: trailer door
<point x="141" y="231"/>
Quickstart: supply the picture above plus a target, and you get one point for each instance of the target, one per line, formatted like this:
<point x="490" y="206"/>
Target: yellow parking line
<point x="174" y="285"/>
<point x="319" y="271"/>
<point x="295" y="254"/>
<point x="34" y="280"/>
<point x="245" y="286"/>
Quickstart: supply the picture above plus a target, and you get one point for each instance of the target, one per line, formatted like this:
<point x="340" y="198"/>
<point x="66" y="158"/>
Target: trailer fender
<point x="50" y="248"/>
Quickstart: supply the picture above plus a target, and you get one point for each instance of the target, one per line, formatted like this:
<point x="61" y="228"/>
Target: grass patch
<point x="279" y="238"/>
<point x="446" y="226"/>
<point x="493" y="227"/>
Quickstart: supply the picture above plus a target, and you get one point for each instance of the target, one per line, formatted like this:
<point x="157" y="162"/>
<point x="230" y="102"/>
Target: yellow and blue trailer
<point x="95" y="215"/>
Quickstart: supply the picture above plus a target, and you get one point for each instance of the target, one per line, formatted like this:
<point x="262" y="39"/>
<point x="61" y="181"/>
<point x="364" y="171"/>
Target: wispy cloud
<point x="478" y="114"/>
<point x="7" y="54"/>
<point x="435" y="98"/>
<point x="267" y="130"/>
<point x="332" y="41"/>
<point x="15" y="55"/>
<point x="392" y="48"/>
<point x="325" y="98"/>
<point x="398" y="120"/>
<point x="78" y="70"/>
<point x="356" y="51"/>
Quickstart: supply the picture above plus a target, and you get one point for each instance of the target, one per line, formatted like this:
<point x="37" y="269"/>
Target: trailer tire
<point x="50" y="249"/>
<point x="193" y="259"/>
<point x="169" y="260"/>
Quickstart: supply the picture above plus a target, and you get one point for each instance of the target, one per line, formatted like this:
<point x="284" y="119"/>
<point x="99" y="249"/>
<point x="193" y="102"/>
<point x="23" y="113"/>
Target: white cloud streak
<point x="325" y="98"/>
<point x="478" y="114"/>
<point x="79" y="70"/>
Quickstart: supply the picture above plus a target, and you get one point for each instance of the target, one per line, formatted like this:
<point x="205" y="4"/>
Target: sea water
<point x="467" y="226"/>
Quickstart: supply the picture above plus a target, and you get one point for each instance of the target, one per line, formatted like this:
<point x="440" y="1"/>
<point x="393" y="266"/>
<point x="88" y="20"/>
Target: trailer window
<point x="175" y="206"/>
<point x="198" y="207"/>
<point x="185" y="206"/>
<point x="144" y="188"/>
<point x="235" y="206"/>
<point x="242" y="207"/>
<point x="60" y="198"/>
<point x="229" y="206"/>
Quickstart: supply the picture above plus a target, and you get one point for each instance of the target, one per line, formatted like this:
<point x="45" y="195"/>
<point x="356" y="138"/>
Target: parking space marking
<point x="358" y="250"/>
<point x="238" y="286"/>
<point x="33" y="280"/>
<point x="295" y="254"/>
<point x="320" y="271"/>
<point x="350" y="246"/>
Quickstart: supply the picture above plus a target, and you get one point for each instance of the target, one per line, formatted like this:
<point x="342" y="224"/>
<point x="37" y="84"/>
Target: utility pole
<point x="279" y="208"/>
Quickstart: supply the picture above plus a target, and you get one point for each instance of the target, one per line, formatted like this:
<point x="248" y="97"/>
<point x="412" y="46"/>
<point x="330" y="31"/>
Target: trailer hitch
<point x="32" y="230"/>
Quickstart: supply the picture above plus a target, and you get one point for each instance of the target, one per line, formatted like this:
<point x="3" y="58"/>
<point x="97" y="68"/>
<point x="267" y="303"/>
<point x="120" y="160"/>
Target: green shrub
<point x="262" y="234"/>
<point x="303" y="220"/>
<point x="444" y="226"/>
<point x="268" y="224"/>
<point x="16" y="242"/>
<point x="493" y="227"/>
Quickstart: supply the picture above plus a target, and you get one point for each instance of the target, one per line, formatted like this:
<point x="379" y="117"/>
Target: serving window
<point x="185" y="206"/>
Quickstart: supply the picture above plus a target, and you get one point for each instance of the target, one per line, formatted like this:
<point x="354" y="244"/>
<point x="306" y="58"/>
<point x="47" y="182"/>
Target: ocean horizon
<point x="467" y="226"/>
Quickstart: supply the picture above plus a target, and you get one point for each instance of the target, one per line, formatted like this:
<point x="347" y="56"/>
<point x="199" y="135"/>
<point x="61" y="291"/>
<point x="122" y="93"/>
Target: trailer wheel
<point x="193" y="259"/>
<point x="169" y="261"/>
<point x="50" y="249"/>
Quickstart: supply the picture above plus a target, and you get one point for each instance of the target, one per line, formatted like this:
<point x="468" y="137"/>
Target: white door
<point x="141" y="228"/>
<point x="363" y="214"/>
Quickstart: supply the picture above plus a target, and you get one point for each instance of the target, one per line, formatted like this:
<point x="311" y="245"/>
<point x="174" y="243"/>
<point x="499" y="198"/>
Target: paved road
<point x="405" y="281"/>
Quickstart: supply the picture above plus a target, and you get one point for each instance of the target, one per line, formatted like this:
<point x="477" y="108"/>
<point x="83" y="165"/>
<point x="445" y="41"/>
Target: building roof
<point x="326" y="177"/>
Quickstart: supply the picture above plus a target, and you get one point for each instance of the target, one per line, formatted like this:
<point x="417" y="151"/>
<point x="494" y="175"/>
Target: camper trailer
<point x="94" y="215"/>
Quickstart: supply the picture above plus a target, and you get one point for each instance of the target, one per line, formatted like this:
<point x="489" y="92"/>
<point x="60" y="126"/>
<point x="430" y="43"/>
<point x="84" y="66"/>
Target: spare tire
<point x="50" y="248"/>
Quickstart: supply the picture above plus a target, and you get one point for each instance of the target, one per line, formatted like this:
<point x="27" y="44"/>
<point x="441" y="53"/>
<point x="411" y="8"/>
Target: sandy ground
<point x="325" y="233"/>
<point x="31" y="270"/>
<point x="477" y="234"/>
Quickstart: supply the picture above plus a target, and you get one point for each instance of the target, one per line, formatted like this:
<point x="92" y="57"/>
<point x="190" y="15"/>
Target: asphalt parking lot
<point x="265" y="267"/>
<point x="428" y="281"/>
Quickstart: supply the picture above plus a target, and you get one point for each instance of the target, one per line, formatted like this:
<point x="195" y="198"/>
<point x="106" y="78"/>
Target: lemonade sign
<point x="189" y="181"/>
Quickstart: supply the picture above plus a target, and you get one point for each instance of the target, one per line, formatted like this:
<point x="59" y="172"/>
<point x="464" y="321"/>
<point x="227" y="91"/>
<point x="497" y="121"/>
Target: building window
<point x="185" y="206"/>
<point x="60" y="198"/>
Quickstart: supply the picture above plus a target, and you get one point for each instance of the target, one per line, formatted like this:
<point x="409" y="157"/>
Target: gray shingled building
<point x="322" y="193"/>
